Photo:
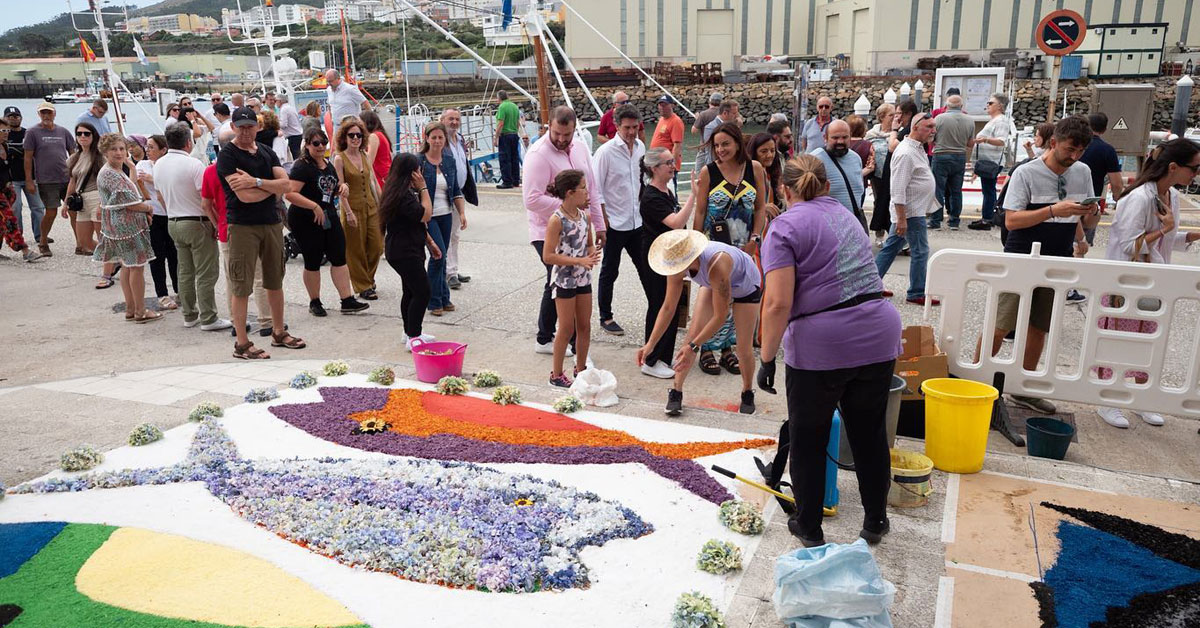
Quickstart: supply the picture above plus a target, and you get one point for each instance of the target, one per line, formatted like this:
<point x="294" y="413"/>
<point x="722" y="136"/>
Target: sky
<point x="35" y="12"/>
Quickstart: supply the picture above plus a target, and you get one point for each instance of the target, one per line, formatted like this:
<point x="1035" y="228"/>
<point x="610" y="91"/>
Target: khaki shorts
<point x="91" y="207"/>
<point x="1039" y="315"/>
<point x="247" y="245"/>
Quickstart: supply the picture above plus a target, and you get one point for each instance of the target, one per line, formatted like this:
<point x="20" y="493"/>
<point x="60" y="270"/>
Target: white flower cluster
<point x="336" y="368"/>
<point x="81" y="459"/>
<point x="506" y="395"/>
<point x="205" y="408"/>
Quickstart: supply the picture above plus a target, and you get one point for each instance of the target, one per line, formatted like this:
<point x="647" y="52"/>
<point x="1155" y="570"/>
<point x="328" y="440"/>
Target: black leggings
<point x="656" y="292"/>
<point x="415" y="282"/>
<point x="317" y="242"/>
<point x="165" y="257"/>
<point x="862" y="394"/>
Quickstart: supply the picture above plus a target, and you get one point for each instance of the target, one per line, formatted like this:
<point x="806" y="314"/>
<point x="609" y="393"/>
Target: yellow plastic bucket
<point x="957" y="415"/>
<point x="910" y="479"/>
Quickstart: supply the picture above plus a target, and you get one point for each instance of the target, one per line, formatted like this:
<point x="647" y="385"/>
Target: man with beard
<point x="782" y="132"/>
<point x="844" y="168"/>
<point x="542" y="163"/>
<point x="1042" y="204"/>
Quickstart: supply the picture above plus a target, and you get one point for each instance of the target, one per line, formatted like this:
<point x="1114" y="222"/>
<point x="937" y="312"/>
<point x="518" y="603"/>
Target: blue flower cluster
<point x="695" y="610"/>
<point x="454" y="524"/>
<point x="719" y="557"/>
<point x="261" y="395"/>
<point x="303" y="379"/>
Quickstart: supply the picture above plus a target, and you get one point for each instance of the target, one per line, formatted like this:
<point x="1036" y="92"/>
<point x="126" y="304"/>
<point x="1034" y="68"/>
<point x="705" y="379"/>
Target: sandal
<point x="167" y="303"/>
<point x="730" y="362"/>
<point x="147" y="317"/>
<point x="249" y="352"/>
<point x="287" y="341"/>
<point x="105" y="282"/>
<point x="129" y="318"/>
<point x="708" y="363"/>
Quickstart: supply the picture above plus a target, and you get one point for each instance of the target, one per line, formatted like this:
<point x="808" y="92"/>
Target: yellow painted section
<point x="172" y="576"/>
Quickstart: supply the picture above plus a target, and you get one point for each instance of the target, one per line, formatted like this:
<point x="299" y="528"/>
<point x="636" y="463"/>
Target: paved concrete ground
<point x="60" y="327"/>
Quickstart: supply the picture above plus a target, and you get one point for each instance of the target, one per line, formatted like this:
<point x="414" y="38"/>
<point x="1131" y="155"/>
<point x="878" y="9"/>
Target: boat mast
<point x="539" y="56"/>
<point x="94" y="6"/>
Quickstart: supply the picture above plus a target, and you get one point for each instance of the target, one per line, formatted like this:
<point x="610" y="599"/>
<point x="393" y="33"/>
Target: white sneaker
<point x="587" y="362"/>
<point x="31" y="255"/>
<point x="408" y="342"/>
<point x="546" y="348"/>
<point x="217" y="325"/>
<point x="1113" y="417"/>
<point x="192" y="323"/>
<point x="1153" y="418"/>
<point x="427" y="337"/>
<point x="659" y="370"/>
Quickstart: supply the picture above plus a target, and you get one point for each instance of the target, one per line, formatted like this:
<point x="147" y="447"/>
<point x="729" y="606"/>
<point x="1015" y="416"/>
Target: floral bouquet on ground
<point x="451" y="385"/>
<point x="567" y="404"/>
<point x="81" y="459"/>
<point x="145" y="434"/>
<point x="303" y="380"/>
<point x="719" y="557"/>
<point x="261" y="395"/>
<point x="205" y="408"/>
<point x="336" y="368"/>
<point x="741" y="517"/>
<point x="382" y="375"/>
<point x="487" y="379"/>
<point x="695" y="610"/>
<point x="506" y="395"/>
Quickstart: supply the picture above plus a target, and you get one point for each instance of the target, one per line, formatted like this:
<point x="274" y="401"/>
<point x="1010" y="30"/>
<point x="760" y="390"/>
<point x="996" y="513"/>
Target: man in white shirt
<point x="178" y="177"/>
<point x="289" y="124"/>
<point x="342" y="98"/>
<point x="912" y="200"/>
<point x="210" y="115"/>
<point x="457" y="144"/>
<point x="617" y="169"/>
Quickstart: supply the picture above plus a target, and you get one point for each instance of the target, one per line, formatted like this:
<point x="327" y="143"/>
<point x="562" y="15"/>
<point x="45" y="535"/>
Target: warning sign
<point x="1120" y="125"/>
<point x="1060" y="32"/>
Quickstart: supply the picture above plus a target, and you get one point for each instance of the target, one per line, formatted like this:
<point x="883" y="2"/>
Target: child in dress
<point x="571" y="250"/>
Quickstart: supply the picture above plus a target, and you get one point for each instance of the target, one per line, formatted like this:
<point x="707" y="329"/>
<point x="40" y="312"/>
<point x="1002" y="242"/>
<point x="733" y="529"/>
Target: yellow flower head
<point x="372" y="424"/>
<point x="522" y="501"/>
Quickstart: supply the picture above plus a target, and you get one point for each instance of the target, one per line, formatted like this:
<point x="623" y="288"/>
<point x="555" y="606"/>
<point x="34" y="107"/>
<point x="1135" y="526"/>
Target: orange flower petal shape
<point x="484" y="412"/>
<point x="408" y="415"/>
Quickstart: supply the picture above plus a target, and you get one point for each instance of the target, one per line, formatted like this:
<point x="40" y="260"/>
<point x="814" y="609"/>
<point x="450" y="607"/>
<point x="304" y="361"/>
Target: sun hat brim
<point x="665" y="265"/>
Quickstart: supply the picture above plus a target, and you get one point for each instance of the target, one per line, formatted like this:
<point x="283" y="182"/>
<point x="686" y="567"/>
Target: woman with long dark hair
<point x="84" y="166"/>
<point x="364" y="243"/>
<point x="1145" y="229"/>
<point x="379" y="146"/>
<point x="763" y="150"/>
<point x="313" y="220"/>
<point x="403" y="212"/>
<point x="735" y="189"/>
<point x="441" y="177"/>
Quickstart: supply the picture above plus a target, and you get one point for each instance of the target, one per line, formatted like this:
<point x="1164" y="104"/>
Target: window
<point x="1108" y="57"/>
<point x="1112" y="31"/>
<point x="1128" y="56"/>
<point x="1133" y="31"/>
<point x="1150" y="56"/>
<point x="1154" y="31"/>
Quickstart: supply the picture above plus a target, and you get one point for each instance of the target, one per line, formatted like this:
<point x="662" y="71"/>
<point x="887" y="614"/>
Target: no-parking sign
<point x="1061" y="32"/>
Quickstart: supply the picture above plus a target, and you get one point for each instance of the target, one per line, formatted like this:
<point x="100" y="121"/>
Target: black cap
<point x="953" y="91"/>
<point x="667" y="99"/>
<point x="244" y="116"/>
<point x="11" y="111"/>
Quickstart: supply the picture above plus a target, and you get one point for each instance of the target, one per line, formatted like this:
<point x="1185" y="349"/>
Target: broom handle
<point x="762" y="487"/>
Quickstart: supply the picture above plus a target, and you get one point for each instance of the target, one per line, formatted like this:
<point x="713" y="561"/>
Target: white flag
<point x="141" y="55"/>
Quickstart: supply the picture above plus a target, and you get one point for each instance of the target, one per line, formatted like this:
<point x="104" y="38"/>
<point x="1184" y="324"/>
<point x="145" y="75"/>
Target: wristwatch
<point x="694" y="347"/>
<point x="756" y="238"/>
<point x="257" y="182"/>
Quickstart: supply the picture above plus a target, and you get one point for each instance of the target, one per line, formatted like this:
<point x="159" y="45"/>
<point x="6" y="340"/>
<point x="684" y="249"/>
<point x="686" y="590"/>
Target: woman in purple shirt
<point x="824" y="301"/>
<point x="728" y="279"/>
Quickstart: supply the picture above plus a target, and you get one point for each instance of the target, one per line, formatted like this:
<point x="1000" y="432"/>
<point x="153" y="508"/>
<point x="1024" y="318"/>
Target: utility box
<point x="1130" y="110"/>
<point x="1134" y="49"/>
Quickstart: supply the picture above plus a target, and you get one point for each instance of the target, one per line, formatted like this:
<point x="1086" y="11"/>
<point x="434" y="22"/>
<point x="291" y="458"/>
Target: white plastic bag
<point x="832" y="586"/>
<point x="596" y="387"/>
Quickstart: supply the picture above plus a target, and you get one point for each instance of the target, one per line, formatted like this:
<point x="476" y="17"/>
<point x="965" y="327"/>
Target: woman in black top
<point x="313" y="220"/>
<point x="660" y="214"/>
<point x="404" y="212"/>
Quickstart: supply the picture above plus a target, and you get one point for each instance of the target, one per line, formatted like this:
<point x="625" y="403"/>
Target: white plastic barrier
<point x="952" y="272"/>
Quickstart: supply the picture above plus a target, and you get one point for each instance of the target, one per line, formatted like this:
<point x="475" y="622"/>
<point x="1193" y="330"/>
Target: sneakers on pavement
<point x="873" y="533"/>
<point x="747" y="406"/>
<point x="921" y="301"/>
<point x="659" y="370"/>
<point x="980" y="225"/>
<point x="1073" y="296"/>
<point x="810" y="540"/>
<point x="1113" y="417"/>
<point x="192" y="323"/>
<point x="547" y="348"/>
<point x="453" y="282"/>
<point x="561" y="380"/>
<point x="1153" y="418"/>
<point x="463" y="278"/>
<point x="316" y="309"/>
<point x="351" y="305"/>
<point x="31" y="255"/>
<point x="1033" y="403"/>
<point x="220" y="324"/>
<point x="612" y="327"/>
<point x="674" y="402"/>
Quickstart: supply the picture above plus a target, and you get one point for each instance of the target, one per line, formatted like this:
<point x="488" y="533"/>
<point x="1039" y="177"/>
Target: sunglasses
<point x="824" y="107"/>
<point x="318" y="143"/>
<point x="1062" y="188"/>
<point x="83" y="134"/>
<point x="354" y="136"/>
<point x="990" y="103"/>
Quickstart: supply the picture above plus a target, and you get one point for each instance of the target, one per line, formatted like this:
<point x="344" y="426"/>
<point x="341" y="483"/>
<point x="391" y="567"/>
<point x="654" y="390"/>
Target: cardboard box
<point x="920" y="359"/>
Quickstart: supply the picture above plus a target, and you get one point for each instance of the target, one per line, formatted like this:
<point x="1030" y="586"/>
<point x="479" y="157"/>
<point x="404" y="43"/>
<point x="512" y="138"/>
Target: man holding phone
<point x="1044" y="203"/>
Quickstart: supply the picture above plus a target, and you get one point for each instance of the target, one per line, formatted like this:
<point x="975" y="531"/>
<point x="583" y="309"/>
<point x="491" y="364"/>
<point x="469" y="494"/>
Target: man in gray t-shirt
<point x="47" y="147"/>
<point x="1041" y="205"/>
<point x="954" y="132"/>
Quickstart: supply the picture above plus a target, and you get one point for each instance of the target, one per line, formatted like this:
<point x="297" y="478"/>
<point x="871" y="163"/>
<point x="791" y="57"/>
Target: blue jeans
<point x="989" y="197"/>
<point x="918" y="244"/>
<point x="36" y="210"/>
<point x="948" y="172"/>
<point x="439" y="290"/>
<point x="510" y="159"/>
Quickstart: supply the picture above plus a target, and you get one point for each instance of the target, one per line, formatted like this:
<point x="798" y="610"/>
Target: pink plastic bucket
<point x="431" y="368"/>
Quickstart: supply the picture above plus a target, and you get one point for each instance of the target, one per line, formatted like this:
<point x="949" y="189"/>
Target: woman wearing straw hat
<point x="728" y="278"/>
<point x="841" y="337"/>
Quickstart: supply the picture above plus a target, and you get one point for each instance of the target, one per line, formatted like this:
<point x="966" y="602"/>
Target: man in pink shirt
<point x="555" y="152"/>
<point x="212" y="196"/>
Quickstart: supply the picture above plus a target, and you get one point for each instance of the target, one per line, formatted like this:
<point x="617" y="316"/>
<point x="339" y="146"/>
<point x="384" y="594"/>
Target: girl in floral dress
<point x="572" y="251"/>
<point x="124" y="227"/>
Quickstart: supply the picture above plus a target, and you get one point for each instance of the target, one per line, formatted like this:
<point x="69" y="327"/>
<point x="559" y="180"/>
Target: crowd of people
<point x="773" y="236"/>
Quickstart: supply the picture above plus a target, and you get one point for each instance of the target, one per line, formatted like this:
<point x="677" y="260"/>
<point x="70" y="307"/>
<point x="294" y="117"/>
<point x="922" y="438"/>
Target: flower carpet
<point x="458" y="511"/>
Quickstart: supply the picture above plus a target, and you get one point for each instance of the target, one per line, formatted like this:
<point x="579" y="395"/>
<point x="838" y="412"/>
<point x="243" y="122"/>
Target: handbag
<point x="986" y="168"/>
<point x="719" y="231"/>
<point x="855" y="209"/>
<point x="75" y="199"/>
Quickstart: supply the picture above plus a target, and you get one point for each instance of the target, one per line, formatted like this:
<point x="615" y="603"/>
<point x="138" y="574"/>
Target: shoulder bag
<point x="75" y="200"/>
<point x="986" y="168"/>
<point x="856" y="210"/>
<point x="719" y="231"/>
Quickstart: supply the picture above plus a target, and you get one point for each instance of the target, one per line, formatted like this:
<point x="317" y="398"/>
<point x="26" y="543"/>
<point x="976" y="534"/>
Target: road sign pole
<point x="1055" y="71"/>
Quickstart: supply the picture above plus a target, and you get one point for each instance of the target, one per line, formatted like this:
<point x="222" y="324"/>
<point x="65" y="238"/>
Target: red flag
<point x="86" y="50"/>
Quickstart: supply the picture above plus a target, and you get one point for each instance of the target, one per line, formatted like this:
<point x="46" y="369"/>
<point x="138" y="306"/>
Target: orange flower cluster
<point x="411" y="412"/>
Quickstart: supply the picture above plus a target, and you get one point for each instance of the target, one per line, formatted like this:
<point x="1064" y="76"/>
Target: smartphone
<point x="1091" y="200"/>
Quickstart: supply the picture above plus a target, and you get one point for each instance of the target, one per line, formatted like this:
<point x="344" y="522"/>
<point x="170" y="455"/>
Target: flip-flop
<point x="148" y="317"/>
<point x="105" y="282"/>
